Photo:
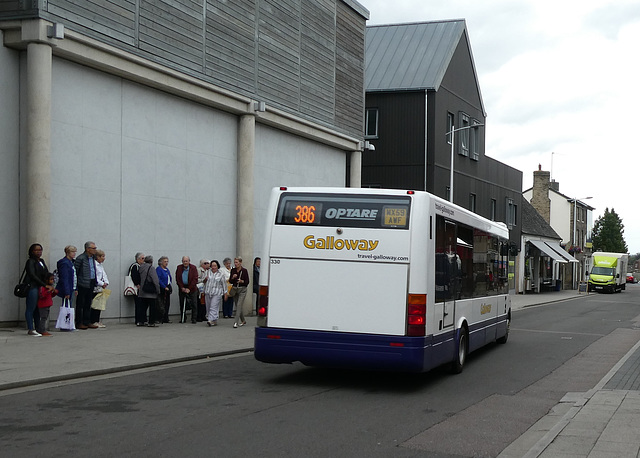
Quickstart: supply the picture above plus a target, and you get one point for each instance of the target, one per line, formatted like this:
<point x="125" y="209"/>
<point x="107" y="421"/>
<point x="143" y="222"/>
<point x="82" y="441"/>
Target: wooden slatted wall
<point x="302" y="56"/>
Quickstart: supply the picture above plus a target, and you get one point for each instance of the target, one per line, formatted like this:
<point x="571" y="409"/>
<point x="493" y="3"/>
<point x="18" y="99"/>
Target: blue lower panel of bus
<point x="353" y="351"/>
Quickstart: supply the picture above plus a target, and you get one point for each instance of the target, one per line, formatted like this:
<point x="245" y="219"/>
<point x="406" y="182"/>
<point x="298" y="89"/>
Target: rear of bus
<point x="334" y="282"/>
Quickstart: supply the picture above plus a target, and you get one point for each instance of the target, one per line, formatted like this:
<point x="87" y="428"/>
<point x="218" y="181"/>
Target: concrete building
<point x="160" y="126"/>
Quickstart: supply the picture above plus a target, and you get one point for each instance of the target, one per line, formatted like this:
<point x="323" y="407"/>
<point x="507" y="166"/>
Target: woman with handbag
<point x="203" y="273"/>
<point x="102" y="281"/>
<point x="227" y="301"/>
<point x="134" y="273"/>
<point x="239" y="279"/>
<point x="67" y="279"/>
<point x="36" y="273"/>
<point x="149" y="290"/>
<point x="215" y="289"/>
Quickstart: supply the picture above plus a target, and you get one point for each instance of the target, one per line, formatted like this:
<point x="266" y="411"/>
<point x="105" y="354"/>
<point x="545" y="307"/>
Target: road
<point x="235" y="406"/>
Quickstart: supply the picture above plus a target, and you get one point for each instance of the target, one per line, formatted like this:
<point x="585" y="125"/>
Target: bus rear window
<point x="367" y="211"/>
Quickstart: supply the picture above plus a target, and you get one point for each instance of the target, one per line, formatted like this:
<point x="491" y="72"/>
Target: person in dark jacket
<point x="36" y="272"/>
<point x="86" y="274"/>
<point x="134" y="271"/>
<point x="67" y="280"/>
<point x="256" y="281"/>
<point x="149" y="290"/>
<point x="187" y="280"/>
<point x="240" y="279"/>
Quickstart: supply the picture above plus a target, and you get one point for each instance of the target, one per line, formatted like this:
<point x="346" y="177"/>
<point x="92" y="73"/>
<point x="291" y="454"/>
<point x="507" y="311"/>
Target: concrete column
<point x="37" y="197"/>
<point x="355" y="179"/>
<point x="244" y="216"/>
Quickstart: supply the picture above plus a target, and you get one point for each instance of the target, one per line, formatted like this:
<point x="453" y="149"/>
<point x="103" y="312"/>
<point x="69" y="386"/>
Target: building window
<point x="371" y="123"/>
<point x="474" y="141"/>
<point x="447" y="194"/>
<point x="472" y="202"/>
<point x="463" y="135"/>
<point x="450" y="126"/>
<point x="511" y="213"/>
<point x="493" y="209"/>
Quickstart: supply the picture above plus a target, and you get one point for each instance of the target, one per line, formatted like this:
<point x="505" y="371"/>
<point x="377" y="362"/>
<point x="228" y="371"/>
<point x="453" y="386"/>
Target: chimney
<point x="540" y="197"/>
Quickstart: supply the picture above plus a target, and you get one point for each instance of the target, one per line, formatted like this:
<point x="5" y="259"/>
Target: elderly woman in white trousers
<point x="215" y="289"/>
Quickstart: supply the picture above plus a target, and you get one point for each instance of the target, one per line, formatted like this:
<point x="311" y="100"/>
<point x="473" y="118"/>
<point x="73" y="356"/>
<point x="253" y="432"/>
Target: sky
<point x="560" y="81"/>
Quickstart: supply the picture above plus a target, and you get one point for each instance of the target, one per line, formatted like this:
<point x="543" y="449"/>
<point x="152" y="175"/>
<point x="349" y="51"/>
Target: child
<point x="45" y="301"/>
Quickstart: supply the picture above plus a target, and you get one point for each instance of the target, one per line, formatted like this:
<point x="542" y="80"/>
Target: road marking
<point x="541" y="331"/>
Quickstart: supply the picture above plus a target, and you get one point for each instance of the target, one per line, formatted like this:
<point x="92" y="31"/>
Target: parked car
<point x="631" y="279"/>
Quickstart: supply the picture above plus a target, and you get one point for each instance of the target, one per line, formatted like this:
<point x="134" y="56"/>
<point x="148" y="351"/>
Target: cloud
<point x="556" y="76"/>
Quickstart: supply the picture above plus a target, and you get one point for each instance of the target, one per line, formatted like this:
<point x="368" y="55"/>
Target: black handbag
<point x="149" y="286"/>
<point x="22" y="288"/>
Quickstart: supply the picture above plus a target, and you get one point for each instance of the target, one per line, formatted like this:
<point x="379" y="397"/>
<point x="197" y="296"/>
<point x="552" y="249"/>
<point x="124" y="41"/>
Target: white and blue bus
<point x="379" y="279"/>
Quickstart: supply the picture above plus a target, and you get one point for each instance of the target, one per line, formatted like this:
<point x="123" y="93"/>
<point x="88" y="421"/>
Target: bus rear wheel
<point x="462" y="351"/>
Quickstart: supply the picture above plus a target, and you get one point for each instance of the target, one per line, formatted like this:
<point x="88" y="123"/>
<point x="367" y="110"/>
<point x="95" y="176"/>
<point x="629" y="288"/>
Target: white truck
<point x="609" y="272"/>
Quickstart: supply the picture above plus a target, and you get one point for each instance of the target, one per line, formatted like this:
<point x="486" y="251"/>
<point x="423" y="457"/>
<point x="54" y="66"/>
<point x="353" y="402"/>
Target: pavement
<point x="602" y="422"/>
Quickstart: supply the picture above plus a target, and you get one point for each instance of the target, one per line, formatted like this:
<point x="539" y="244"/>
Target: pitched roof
<point x="534" y="224"/>
<point x="410" y="56"/>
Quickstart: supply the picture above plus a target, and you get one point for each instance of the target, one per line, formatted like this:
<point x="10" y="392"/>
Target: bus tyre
<point x="505" y="337"/>
<point x="462" y="350"/>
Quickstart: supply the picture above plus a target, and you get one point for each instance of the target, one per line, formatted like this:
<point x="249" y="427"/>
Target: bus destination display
<point x="369" y="212"/>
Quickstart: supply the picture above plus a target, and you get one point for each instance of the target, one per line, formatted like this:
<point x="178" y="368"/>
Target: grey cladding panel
<point x="12" y="8"/>
<point x="172" y="28"/>
<point x="317" y="60"/>
<point x="279" y="51"/>
<point x="115" y="19"/>
<point x="230" y="42"/>
<point x="119" y="27"/>
<point x="302" y="56"/>
<point x="349" y="71"/>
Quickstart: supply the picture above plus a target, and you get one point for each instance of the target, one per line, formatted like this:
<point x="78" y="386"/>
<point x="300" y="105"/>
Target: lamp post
<point x="452" y="132"/>
<point x="573" y="239"/>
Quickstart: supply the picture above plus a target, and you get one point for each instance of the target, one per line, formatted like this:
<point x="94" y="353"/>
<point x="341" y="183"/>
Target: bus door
<point x="447" y="272"/>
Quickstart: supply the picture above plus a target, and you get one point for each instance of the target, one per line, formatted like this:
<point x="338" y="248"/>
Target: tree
<point x="608" y="233"/>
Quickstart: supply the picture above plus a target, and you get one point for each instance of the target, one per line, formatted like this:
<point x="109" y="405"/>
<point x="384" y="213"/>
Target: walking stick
<point x="184" y="309"/>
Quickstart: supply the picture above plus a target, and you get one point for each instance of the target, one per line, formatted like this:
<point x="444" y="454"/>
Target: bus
<point x="379" y="279"/>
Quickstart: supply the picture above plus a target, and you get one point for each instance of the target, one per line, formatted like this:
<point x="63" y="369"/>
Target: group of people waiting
<point x="79" y="279"/>
<point x="205" y="291"/>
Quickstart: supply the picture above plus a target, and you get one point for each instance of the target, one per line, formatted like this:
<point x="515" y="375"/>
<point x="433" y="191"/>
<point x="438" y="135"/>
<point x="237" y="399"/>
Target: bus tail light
<point x="417" y="315"/>
<point x="263" y="301"/>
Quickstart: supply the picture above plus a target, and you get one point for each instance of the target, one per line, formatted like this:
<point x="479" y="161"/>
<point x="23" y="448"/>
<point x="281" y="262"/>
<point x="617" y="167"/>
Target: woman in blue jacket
<point x="67" y="281"/>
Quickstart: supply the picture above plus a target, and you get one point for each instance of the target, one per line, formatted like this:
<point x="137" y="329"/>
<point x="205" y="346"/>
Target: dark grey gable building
<point x="421" y="83"/>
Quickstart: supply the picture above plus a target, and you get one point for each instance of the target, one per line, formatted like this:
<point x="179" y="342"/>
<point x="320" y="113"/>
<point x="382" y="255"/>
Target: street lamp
<point x="452" y="132"/>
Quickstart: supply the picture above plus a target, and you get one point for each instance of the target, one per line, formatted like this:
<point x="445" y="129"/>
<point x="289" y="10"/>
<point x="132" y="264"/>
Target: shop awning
<point x="558" y="249"/>
<point x="548" y="251"/>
